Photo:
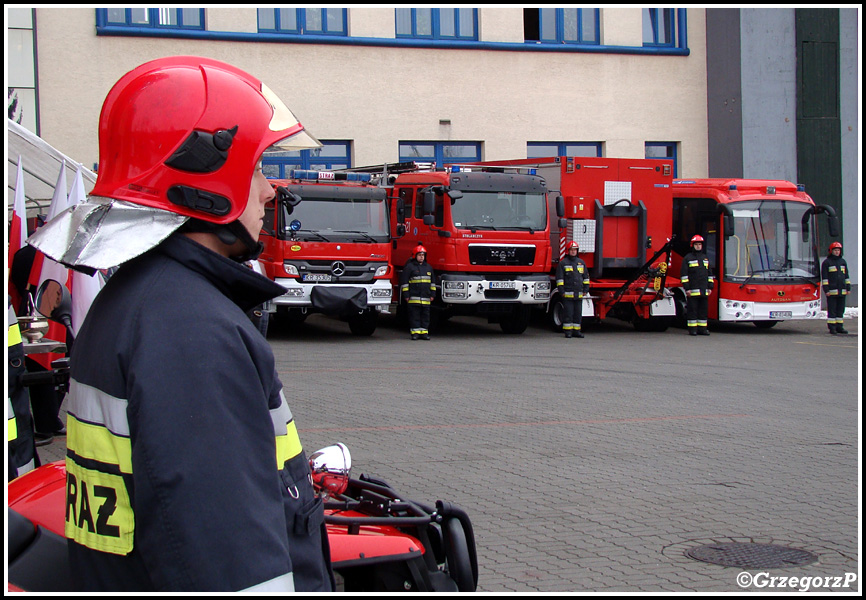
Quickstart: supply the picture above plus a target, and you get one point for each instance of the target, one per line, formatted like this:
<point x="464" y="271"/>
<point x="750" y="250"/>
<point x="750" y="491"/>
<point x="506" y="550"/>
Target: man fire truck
<point x="486" y="235"/>
<point x="327" y="241"/>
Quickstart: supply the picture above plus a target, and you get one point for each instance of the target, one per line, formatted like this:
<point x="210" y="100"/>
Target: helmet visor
<point x="284" y="121"/>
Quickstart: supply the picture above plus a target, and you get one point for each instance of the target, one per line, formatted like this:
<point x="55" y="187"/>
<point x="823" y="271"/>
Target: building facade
<point x="718" y="91"/>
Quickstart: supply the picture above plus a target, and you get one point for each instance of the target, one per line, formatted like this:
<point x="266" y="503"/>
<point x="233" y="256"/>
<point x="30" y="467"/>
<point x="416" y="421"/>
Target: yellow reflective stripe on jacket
<point x="96" y="442"/>
<point x="98" y="509"/>
<point x="11" y="423"/>
<point x="14" y="335"/>
<point x="419" y="280"/>
<point x="287" y="441"/>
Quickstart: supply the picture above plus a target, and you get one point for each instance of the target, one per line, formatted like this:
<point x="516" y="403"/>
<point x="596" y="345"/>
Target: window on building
<point x="159" y="18"/>
<point x="663" y="150"/>
<point x="441" y="153"/>
<point x="544" y="149"/>
<point x="561" y="25"/>
<point x="331" y="156"/>
<point x="311" y="21"/>
<point x="659" y="27"/>
<point x="437" y="23"/>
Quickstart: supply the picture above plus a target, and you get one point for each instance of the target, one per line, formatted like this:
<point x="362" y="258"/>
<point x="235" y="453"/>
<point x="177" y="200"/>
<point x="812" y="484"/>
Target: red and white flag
<point x="18" y="232"/>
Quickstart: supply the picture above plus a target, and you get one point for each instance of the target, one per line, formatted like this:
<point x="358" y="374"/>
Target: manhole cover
<point x="752" y="556"/>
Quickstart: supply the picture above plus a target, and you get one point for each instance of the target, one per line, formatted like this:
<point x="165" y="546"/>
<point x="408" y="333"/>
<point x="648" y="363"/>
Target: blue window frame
<point x="158" y="18"/>
<point x="437" y="23"/>
<point x="311" y="21"/>
<point x="662" y="150"/>
<point x="334" y="154"/>
<point x="441" y="153"/>
<point x="659" y="27"/>
<point x="561" y="25"/>
<point x="545" y="149"/>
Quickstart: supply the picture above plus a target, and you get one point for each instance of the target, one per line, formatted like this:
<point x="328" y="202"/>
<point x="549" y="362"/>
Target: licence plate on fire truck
<point x="781" y="314"/>
<point x="501" y="285"/>
<point x="316" y="277"/>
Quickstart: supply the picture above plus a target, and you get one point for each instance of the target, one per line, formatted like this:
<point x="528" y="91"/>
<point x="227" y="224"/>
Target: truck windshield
<point x="769" y="243"/>
<point x="500" y="210"/>
<point x="342" y="219"/>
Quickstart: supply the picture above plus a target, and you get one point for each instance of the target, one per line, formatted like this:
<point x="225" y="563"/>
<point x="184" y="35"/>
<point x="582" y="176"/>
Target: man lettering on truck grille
<point x="184" y="467"/>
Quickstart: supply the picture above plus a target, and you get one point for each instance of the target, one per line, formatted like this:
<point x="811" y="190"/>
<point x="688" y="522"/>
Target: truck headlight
<point x="454" y="285"/>
<point x="381" y="271"/>
<point x="291" y="269"/>
<point x="542" y="286"/>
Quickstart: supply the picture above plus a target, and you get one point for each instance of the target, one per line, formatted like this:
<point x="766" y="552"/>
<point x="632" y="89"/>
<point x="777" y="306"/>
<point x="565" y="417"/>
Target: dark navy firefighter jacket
<point x="185" y="471"/>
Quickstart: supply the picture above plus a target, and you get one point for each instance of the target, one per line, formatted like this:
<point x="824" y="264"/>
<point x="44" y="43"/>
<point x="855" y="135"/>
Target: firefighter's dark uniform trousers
<point x="418" y="285"/>
<point x="698" y="281"/>
<point x="572" y="281"/>
<point x="836" y="283"/>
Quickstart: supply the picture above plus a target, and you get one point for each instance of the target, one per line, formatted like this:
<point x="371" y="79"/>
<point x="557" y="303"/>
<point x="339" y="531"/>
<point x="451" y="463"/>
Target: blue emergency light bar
<point x="309" y="175"/>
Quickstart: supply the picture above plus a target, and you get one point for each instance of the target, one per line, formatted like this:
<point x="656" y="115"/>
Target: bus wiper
<point x="749" y="278"/>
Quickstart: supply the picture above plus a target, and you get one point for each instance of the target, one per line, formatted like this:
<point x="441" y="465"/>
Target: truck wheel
<point x="555" y="315"/>
<point x="517" y="322"/>
<point x="364" y="323"/>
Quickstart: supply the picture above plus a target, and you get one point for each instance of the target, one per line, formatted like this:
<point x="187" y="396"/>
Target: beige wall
<point x="377" y="96"/>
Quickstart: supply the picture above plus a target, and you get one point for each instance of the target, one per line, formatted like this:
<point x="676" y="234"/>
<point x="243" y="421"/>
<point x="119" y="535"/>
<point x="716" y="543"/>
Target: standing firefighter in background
<point x="21" y="449"/>
<point x="697" y="280"/>
<point x="184" y="467"/>
<point x="418" y="286"/>
<point x="836" y="283"/>
<point x="572" y="282"/>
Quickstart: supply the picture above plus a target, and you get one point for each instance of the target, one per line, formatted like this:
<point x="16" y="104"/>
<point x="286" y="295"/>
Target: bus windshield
<point x="769" y="243"/>
<point x="500" y="210"/>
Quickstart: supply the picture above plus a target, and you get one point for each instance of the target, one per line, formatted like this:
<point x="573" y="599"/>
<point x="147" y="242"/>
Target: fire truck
<point x="327" y="241"/>
<point x="619" y="211"/>
<point x="761" y="239"/>
<point x="487" y="238"/>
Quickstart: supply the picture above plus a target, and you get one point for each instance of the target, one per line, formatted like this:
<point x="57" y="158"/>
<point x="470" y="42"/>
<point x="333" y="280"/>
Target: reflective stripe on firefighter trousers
<point x="99" y="513"/>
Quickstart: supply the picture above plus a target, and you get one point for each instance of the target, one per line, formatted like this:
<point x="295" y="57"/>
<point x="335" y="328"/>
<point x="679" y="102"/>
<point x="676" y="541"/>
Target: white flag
<point x="18" y="232"/>
<point x="59" y="203"/>
<point x="84" y="287"/>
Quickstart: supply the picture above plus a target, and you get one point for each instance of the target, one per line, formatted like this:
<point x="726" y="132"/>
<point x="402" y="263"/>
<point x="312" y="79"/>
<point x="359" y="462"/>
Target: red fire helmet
<point x="696" y="239"/>
<point x="835" y="245"/>
<point x="184" y="134"/>
<point x="418" y="249"/>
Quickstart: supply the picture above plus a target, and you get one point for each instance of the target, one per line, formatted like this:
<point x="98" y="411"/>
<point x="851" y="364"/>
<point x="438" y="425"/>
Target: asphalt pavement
<point x="603" y="464"/>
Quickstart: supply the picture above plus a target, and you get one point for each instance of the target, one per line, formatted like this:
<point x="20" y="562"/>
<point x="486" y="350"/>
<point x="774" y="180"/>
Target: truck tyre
<point x="555" y="315"/>
<point x="364" y="323"/>
<point x="517" y="322"/>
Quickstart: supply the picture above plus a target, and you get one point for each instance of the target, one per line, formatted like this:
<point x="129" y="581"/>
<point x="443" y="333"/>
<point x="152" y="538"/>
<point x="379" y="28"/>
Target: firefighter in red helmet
<point x="418" y="288"/>
<point x="836" y="282"/>
<point x="572" y="282"/>
<point x="697" y="279"/>
<point x="184" y="467"/>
